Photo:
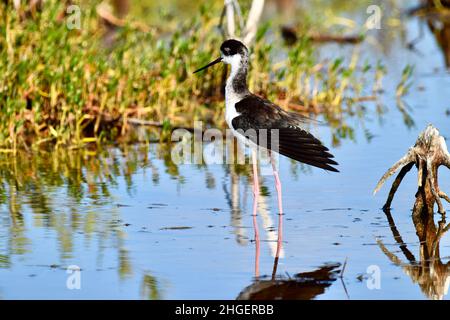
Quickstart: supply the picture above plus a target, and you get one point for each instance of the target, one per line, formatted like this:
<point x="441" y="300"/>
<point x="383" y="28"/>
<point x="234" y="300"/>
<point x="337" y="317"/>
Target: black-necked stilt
<point x="246" y="111"/>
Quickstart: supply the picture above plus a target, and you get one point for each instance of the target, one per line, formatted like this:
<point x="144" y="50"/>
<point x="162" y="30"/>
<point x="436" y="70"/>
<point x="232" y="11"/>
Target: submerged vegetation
<point x="67" y="87"/>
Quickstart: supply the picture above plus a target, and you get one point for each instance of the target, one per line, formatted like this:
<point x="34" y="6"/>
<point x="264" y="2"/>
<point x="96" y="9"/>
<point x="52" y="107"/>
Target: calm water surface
<point x="140" y="227"/>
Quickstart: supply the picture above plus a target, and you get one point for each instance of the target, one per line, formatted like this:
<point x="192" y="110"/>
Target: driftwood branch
<point x="114" y="18"/>
<point x="396" y="184"/>
<point x="229" y="8"/>
<point x="428" y="153"/>
<point x="407" y="159"/>
<point x="253" y="19"/>
<point x="290" y="35"/>
<point x="247" y="32"/>
<point x="156" y="124"/>
<point x="27" y="9"/>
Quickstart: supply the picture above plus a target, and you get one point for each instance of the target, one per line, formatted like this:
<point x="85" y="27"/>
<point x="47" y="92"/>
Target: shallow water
<point x="139" y="226"/>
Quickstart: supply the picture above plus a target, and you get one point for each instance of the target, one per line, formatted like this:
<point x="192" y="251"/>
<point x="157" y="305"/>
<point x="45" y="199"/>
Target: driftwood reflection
<point x="441" y="31"/>
<point x="429" y="272"/>
<point x="436" y="15"/>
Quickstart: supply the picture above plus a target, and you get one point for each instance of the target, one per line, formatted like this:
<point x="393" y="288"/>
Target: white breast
<point x="230" y="106"/>
<point x="231" y="97"/>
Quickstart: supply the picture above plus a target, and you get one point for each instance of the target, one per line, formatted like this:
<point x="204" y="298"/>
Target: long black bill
<point x="209" y="64"/>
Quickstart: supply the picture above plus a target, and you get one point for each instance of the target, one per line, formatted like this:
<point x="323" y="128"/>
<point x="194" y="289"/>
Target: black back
<point x="269" y="126"/>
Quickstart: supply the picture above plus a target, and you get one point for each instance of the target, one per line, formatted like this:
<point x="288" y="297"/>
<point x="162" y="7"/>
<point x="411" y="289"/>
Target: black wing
<point x="260" y="120"/>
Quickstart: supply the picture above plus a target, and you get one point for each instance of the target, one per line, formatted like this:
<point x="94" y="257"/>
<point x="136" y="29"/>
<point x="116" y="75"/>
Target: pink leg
<point x="255" y="208"/>
<point x="255" y="182"/>
<point x="279" y="242"/>
<point x="280" y="212"/>
<point x="277" y="184"/>
<point x="255" y="227"/>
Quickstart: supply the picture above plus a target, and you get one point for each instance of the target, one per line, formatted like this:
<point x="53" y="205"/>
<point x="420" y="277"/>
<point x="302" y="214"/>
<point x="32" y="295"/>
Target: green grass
<point x="64" y="88"/>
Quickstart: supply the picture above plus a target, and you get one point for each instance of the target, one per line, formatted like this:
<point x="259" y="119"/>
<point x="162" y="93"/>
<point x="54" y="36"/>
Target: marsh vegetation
<point x="71" y="87"/>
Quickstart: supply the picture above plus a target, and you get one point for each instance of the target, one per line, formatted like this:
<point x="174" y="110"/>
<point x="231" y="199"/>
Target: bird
<point x="259" y="122"/>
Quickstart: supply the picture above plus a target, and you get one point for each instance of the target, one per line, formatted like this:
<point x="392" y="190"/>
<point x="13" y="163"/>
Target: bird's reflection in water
<point x="303" y="286"/>
<point x="306" y="285"/>
<point x="429" y="272"/>
<point x="236" y="173"/>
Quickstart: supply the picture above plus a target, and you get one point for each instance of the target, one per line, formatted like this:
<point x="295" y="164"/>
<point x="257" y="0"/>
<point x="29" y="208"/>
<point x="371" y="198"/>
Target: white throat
<point x="235" y="63"/>
<point x="231" y="95"/>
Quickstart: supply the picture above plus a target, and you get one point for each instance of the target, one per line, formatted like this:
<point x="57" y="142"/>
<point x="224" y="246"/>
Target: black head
<point x="228" y="49"/>
<point x="231" y="47"/>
